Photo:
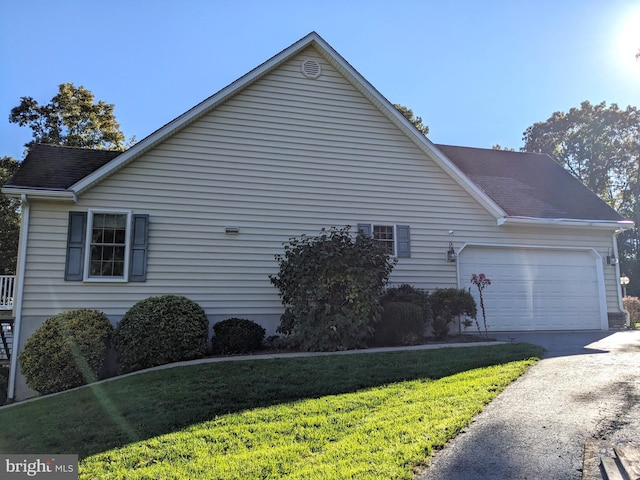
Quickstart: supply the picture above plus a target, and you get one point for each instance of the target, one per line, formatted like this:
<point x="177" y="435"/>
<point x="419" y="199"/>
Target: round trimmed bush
<point x="237" y="335"/>
<point x="411" y="294"/>
<point x="402" y="323"/>
<point x="160" y="330"/>
<point x="448" y="303"/>
<point x="68" y="350"/>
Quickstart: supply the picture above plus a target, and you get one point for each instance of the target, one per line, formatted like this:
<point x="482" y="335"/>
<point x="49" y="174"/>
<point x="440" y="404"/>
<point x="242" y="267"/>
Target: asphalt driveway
<point x="587" y="387"/>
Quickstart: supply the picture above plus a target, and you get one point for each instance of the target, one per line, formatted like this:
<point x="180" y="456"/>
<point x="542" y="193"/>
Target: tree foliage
<point x="331" y="287"/>
<point x="417" y="121"/>
<point x="9" y="221"/>
<point x="71" y="118"/>
<point x="497" y="146"/>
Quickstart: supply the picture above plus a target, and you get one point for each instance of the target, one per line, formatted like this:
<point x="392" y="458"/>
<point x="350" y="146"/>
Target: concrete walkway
<point x="587" y="387"/>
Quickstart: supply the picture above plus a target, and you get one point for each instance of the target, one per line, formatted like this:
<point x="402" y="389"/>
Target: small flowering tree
<point x="481" y="282"/>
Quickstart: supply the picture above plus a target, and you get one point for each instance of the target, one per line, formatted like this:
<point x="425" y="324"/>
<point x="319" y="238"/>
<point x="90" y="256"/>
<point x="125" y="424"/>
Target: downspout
<point x="17" y="305"/>
<point x="619" y="289"/>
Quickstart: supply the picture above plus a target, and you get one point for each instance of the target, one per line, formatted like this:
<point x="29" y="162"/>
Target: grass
<point x="376" y="416"/>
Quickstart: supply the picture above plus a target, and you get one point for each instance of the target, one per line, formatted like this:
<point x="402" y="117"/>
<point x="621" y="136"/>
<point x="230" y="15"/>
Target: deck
<point x="7" y="294"/>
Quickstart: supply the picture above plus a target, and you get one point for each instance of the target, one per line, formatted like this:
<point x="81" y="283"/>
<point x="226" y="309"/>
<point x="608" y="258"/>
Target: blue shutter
<point x="139" y="247"/>
<point x="365" y="228"/>
<point x="403" y="242"/>
<point x="76" y="235"/>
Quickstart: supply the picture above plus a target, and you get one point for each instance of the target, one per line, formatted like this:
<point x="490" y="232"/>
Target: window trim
<point x="87" y="249"/>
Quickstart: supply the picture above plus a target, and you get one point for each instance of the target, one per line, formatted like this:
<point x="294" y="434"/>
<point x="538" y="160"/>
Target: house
<point x="201" y="207"/>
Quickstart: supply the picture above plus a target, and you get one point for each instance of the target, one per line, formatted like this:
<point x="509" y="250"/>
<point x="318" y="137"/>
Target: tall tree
<point x="600" y="146"/>
<point x="497" y="146"/>
<point x="71" y="118"/>
<point x="9" y="221"/>
<point x="417" y="121"/>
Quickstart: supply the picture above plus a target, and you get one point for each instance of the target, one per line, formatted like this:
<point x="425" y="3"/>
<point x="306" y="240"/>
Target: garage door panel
<point x="535" y="289"/>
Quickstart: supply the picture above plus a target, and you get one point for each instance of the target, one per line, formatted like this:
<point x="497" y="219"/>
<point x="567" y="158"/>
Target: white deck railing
<point x="7" y="289"/>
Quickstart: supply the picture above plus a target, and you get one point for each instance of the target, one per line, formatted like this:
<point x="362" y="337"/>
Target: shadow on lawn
<point x="108" y="415"/>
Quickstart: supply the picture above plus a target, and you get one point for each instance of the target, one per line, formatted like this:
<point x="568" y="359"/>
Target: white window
<point x="386" y="234"/>
<point x="108" y="244"/>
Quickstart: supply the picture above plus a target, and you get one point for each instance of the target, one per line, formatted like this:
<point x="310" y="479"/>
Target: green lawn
<point x="376" y="416"/>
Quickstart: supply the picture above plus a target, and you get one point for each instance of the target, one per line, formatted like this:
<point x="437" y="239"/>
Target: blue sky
<point x="478" y="72"/>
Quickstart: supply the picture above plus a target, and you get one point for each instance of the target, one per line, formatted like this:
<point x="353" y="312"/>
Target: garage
<point x="537" y="288"/>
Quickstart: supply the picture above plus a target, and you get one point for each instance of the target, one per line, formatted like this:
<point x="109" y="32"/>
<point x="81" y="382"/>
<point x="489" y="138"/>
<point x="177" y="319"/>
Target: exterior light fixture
<point x="611" y="259"/>
<point x="451" y="253"/>
<point x="624" y="281"/>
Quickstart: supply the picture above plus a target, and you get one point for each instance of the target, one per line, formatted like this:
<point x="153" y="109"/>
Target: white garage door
<point x="535" y="289"/>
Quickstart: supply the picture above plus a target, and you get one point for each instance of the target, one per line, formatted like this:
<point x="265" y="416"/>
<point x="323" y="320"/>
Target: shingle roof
<point x="56" y="167"/>
<point x="529" y="184"/>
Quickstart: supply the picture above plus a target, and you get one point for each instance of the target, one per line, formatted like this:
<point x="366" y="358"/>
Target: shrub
<point x="237" y="335"/>
<point x="330" y="286"/>
<point x="411" y="294"/>
<point x="448" y="303"/>
<point x="160" y="330"/>
<point x="68" y="350"/>
<point x="402" y="323"/>
<point x="4" y="384"/>
<point x="282" y="342"/>
<point x="632" y="305"/>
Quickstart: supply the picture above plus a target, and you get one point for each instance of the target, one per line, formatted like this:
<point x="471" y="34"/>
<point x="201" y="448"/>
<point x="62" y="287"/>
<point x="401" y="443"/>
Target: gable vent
<point x="311" y="69"/>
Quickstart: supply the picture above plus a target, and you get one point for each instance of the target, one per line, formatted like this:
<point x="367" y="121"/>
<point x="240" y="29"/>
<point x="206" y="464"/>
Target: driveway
<point x="587" y="387"/>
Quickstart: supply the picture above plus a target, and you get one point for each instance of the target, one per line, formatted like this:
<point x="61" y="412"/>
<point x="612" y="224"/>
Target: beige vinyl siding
<point x="286" y="156"/>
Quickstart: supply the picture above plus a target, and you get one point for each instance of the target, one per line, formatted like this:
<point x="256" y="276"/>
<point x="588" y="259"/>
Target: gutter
<point x="22" y="263"/>
<point x="566" y="222"/>
<point x="40" y="193"/>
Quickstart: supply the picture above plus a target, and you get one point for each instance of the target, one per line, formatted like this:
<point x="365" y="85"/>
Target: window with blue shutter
<point x="139" y="235"/>
<point x="403" y="241"/>
<point x="74" y="267"/>
<point x="365" y="228"/>
<point x="107" y="246"/>
<point x="395" y="237"/>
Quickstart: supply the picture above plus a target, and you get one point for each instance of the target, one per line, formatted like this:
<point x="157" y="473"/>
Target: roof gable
<point x="529" y="184"/>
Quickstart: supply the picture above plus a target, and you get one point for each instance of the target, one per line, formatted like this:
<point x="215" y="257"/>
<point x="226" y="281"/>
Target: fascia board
<point x="566" y="222"/>
<point x="39" y="193"/>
